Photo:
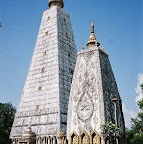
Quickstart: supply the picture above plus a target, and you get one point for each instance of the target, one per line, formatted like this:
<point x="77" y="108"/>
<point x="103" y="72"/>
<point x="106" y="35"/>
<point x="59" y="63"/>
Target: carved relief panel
<point x="83" y="111"/>
<point x="85" y="107"/>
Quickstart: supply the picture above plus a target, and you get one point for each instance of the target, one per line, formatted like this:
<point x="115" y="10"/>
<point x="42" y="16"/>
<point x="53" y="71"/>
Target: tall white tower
<point x="93" y="95"/>
<point x="43" y="104"/>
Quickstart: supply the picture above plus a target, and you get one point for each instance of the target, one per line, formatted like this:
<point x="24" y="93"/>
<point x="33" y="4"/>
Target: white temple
<point x="92" y="94"/>
<point x="41" y="117"/>
<point x="44" y="101"/>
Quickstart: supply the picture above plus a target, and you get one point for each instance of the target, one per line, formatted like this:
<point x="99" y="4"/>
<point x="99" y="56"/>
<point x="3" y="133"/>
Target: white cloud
<point x="128" y="114"/>
<point x="138" y="88"/>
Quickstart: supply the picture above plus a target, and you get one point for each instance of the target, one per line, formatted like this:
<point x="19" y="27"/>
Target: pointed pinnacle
<point x="82" y="47"/>
<point x="92" y="39"/>
<point x="92" y="26"/>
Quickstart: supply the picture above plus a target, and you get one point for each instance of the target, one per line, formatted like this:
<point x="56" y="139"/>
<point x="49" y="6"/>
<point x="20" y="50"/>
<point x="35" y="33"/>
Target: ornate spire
<point x="59" y="3"/>
<point x="92" y="39"/>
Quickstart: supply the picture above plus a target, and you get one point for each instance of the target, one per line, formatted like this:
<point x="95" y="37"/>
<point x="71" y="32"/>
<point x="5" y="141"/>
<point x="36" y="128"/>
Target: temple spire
<point x="92" y="39"/>
<point x="92" y="27"/>
<point x="59" y="3"/>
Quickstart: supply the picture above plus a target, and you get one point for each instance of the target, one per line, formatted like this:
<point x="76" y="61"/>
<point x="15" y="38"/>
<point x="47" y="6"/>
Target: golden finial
<point x="92" y="26"/>
<point x="92" y="39"/>
<point x="59" y="3"/>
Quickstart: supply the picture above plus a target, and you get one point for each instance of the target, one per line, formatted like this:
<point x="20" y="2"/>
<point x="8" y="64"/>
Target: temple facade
<point x="67" y="96"/>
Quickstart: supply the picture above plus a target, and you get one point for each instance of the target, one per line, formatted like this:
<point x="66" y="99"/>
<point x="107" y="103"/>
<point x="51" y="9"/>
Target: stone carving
<point x="83" y="93"/>
<point x="88" y="126"/>
<point x="62" y="138"/>
<point x="85" y="107"/>
<point x="84" y="138"/>
<point x="95" y="141"/>
<point x="35" y="113"/>
<point x="95" y="119"/>
<point x="74" y="120"/>
<point x="94" y="138"/>
<point x="87" y="56"/>
<point x="74" y="138"/>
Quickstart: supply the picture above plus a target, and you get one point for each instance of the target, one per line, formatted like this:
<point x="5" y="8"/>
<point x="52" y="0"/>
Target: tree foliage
<point x="136" y="132"/>
<point x="110" y="131"/>
<point x="7" y="112"/>
<point x="137" y="139"/>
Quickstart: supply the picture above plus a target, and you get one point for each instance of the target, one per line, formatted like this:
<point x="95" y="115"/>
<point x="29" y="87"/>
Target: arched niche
<point x="42" y="140"/>
<point x="49" y="140"/>
<point x="54" y="140"/>
<point x="84" y="138"/>
<point x="74" y="138"/>
<point x="65" y="141"/>
<point x="94" y="138"/>
<point x="45" y="140"/>
<point x="14" y="141"/>
<point x="39" y="140"/>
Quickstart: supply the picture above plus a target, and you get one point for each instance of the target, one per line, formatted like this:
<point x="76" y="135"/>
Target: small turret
<point x="29" y="136"/>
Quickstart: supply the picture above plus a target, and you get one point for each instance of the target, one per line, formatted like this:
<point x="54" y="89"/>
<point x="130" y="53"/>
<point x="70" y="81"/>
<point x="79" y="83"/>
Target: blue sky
<point x="118" y="27"/>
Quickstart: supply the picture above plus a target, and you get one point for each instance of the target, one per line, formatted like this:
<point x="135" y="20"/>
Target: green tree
<point x="7" y="112"/>
<point x="136" y="132"/>
<point x="110" y="131"/>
